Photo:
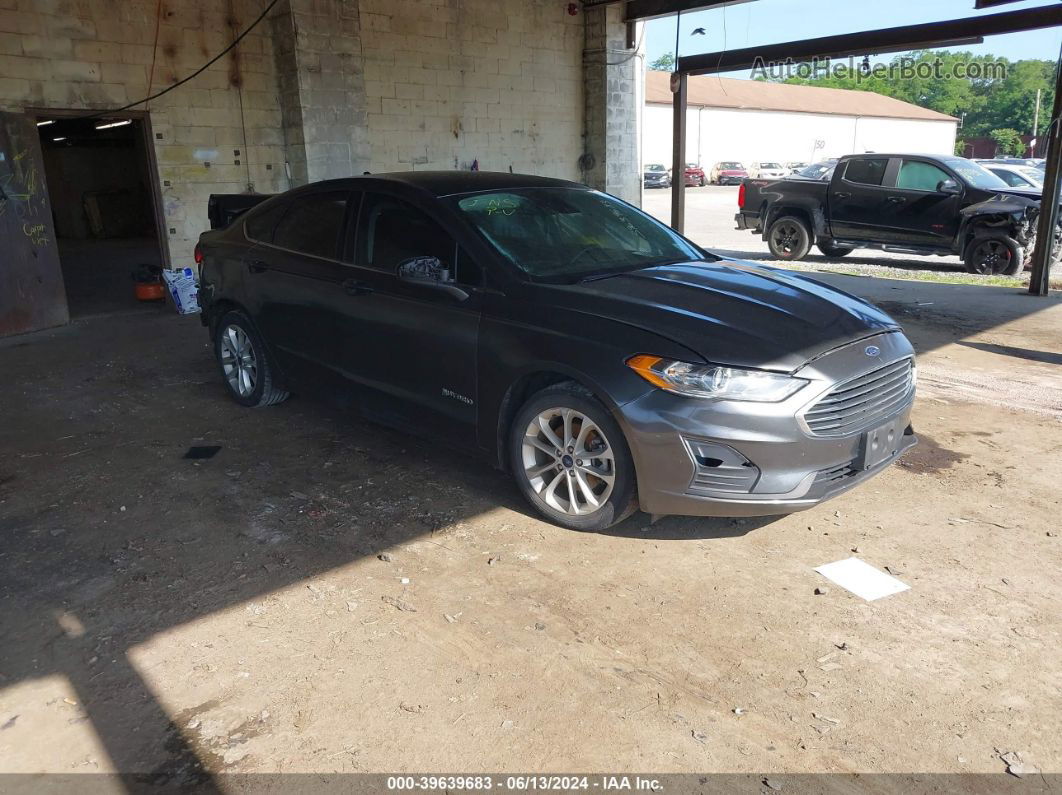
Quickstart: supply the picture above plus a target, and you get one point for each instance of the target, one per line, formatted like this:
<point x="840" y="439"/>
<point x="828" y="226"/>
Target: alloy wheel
<point x="568" y="461"/>
<point x="786" y="238"/>
<point x="238" y="360"/>
<point x="991" y="256"/>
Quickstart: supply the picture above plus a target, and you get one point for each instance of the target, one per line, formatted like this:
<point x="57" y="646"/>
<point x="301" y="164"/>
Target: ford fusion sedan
<point x="605" y="361"/>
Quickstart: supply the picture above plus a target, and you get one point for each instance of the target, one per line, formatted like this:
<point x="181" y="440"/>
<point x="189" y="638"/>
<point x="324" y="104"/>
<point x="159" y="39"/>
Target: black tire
<point x="789" y="238"/>
<point x="264" y="391"/>
<point x="994" y="254"/>
<point x="831" y="250"/>
<point x="620" y="503"/>
<point x="702" y="182"/>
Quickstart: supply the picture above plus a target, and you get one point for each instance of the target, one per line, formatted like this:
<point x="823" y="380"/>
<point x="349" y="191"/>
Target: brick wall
<point x="449" y="82"/>
<point x="96" y="54"/>
<point x="330" y="87"/>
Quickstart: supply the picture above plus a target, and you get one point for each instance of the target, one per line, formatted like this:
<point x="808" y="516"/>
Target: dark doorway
<point x="102" y="184"/>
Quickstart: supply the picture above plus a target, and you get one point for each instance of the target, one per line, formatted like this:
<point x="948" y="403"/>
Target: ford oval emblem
<point x="872" y="350"/>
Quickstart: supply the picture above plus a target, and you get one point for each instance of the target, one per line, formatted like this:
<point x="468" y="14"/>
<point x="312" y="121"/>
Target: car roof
<point x="447" y="183"/>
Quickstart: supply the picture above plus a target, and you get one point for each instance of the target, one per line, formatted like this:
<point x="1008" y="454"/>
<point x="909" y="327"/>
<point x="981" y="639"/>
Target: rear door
<point x="32" y="295"/>
<point x="416" y="346"/>
<point x="915" y="211"/>
<point x="294" y="281"/>
<point x="857" y="199"/>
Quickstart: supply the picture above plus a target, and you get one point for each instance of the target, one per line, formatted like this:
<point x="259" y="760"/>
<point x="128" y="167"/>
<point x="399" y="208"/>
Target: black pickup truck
<point x="913" y="204"/>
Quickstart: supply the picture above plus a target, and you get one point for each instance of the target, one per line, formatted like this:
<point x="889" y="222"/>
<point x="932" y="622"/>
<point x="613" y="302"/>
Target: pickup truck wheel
<point x="789" y="238"/>
<point x="831" y="250"/>
<point x="994" y="254"/>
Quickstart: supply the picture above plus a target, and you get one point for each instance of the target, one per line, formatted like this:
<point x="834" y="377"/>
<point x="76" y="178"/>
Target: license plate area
<point x="880" y="444"/>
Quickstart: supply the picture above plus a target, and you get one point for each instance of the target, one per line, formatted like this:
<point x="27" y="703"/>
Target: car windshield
<point x="1032" y="173"/>
<point x="975" y="174"/>
<point x="655" y="167"/>
<point x="569" y="234"/>
<point x="731" y="166"/>
<point x="769" y="165"/>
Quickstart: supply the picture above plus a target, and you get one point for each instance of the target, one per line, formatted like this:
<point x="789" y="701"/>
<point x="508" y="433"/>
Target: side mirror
<point x="948" y="186"/>
<point x="430" y="272"/>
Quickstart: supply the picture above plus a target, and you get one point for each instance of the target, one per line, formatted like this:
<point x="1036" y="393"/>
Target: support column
<point x="1048" y="220"/>
<point x="322" y="89"/>
<point x="679" y="82"/>
<point x="611" y="74"/>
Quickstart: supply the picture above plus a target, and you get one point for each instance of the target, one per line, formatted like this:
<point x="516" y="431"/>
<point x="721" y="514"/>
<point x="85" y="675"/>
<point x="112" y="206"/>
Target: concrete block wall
<point x="450" y="82"/>
<point x="327" y="88"/>
<point x="97" y="54"/>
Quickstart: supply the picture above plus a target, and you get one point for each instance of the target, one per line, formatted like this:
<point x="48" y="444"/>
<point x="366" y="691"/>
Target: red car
<point x="695" y="176"/>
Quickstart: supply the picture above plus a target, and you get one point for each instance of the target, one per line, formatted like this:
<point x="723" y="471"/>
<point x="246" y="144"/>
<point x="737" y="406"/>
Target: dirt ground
<point x="327" y="595"/>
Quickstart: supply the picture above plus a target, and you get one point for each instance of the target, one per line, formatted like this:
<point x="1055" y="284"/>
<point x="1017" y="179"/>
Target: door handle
<point x="842" y="195"/>
<point x="257" y="266"/>
<point x="354" y="287"/>
<point x="896" y="200"/>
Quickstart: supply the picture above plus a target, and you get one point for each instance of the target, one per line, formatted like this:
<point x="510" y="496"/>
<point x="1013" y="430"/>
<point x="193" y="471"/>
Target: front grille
<point x="862" y="402"/>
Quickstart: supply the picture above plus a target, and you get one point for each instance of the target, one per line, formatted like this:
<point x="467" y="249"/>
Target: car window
<point x="866" y="171"/>
<point x="313" y="224"/>
<point x="917" y="175"/>
<point x="261" y="221"/>
<point x="1012" y="179"/>
<point x="391" y="231"/>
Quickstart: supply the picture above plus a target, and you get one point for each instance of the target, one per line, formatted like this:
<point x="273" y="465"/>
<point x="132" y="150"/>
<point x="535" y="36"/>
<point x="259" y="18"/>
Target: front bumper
<point x="728" y="458"/>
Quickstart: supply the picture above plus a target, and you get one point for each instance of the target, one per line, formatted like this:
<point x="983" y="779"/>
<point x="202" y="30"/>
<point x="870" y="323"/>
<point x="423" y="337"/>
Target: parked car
<point x="1016" y="176"/>
<point x="1033" y="162"/>
<point x="794" y="166"/>
<point x="914" y="204"/>
<point x="604" y="360"/>
<point x="656" y="176"/>
<point x="695" y="177"/>
<point x="767" y="169"/>
<point x="727" y="172"/>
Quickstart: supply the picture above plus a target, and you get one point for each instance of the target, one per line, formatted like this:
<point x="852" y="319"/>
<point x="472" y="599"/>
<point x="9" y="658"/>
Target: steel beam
<point x="907" y="37"/>
<point x="650" y="9"/>
<point x="1046" y="223"/>
<point x="679" y="83"/>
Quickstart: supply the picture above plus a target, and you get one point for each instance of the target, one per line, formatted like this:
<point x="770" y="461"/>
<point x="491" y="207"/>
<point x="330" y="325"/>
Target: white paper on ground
<point x="862" y="579"/>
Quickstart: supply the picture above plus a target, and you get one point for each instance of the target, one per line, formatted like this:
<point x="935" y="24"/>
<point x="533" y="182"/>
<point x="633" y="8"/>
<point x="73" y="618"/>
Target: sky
<point x="774" y="21"/>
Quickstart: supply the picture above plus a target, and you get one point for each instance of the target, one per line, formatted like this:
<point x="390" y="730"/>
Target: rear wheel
<point x="830" y="250"/>
<point x="789" y="238"/>
<point x="244" y="362"/>
<point x="994" y="254"/>
<point x="570" y="459"/>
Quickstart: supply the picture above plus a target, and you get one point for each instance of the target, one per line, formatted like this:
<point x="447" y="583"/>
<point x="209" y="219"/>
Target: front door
<point x="916" y="212"/>
<point x="413" y="346"/>
<point x="857" y="199"/>
<point x="31" y="283"/>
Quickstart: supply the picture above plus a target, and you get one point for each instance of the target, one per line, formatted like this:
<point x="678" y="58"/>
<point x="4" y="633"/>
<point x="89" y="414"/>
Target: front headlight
<point x="708" y="381"/>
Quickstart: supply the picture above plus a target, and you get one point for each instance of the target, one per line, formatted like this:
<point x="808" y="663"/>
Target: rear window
<point x="313" y="224"/>
<point x="869" y="171"/>
<point x="263" y="220"/>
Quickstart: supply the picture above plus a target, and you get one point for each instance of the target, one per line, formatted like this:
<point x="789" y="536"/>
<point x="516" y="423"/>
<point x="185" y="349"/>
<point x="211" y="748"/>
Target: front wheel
<point x="994" y="254"/>
<point x="789" y="238"/>
<point x="570" y="459"/>
<point x="702" y="182"/>
<point x="244" y="362"/>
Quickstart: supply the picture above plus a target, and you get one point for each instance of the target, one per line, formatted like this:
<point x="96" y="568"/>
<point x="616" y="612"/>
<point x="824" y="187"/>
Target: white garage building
<point x="747" y="120"/>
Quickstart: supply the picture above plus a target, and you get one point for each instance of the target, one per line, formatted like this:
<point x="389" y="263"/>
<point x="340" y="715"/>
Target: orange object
<point x="149" y="291"/>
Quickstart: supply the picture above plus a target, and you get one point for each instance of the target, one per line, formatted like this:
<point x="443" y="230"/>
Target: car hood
<point x="730" y="312"/>
<point x="660" y="174"/>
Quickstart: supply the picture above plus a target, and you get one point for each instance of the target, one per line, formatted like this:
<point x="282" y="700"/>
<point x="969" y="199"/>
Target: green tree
<point x="665" y="63"/>
<point x="1008" y="141"/>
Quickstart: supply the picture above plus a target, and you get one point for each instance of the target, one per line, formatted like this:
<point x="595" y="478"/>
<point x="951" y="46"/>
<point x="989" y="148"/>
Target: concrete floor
<point x="98" y="274"/>
<point x="184" y="618"/>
